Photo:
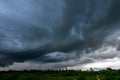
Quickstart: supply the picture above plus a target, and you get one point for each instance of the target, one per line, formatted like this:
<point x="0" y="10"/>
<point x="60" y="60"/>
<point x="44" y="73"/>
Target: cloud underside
<point x="77" y="34"/>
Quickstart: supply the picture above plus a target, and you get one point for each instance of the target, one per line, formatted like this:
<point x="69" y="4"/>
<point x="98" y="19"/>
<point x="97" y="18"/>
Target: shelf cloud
<point x="58" y="33"/>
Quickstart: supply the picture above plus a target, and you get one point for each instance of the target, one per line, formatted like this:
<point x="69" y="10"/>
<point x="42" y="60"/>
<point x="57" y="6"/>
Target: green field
<point x="107" y="74"/>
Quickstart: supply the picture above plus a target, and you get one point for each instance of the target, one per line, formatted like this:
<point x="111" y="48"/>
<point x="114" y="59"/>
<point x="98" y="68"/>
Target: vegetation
<point x="107" y="74"/>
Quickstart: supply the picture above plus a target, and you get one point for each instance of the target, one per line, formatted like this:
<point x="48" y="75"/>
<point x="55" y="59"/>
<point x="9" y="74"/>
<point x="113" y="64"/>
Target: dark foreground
<point x="107" y="74"/>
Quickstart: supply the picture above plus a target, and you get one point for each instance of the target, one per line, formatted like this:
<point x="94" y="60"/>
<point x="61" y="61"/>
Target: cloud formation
<point x="58" y="33"/>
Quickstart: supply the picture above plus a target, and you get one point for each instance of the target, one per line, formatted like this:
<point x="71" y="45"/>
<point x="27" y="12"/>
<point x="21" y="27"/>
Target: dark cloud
<point x="55" y="31"/>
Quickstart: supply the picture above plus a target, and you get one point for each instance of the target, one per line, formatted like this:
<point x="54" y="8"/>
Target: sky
<point x="54" y="34"/>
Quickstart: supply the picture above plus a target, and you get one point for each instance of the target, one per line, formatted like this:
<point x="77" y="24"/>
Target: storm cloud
<point x="56" y="32"/>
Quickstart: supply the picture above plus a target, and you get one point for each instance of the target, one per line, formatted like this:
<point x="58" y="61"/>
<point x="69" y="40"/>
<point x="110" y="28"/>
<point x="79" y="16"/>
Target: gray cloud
<point x="55" y="31"/>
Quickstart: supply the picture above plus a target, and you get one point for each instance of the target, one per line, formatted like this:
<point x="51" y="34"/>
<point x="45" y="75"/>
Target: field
<point x="107" y="74"/>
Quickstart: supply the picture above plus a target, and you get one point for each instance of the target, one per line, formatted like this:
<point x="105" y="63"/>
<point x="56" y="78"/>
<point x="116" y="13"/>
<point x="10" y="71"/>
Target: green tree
<point x="81" y="77"/>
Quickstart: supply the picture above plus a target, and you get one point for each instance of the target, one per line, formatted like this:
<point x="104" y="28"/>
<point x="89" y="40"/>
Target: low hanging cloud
<point x="58" y="33"/>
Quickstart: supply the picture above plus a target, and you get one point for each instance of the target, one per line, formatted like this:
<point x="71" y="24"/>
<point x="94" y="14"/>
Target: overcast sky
<point x="42" y="34"/>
